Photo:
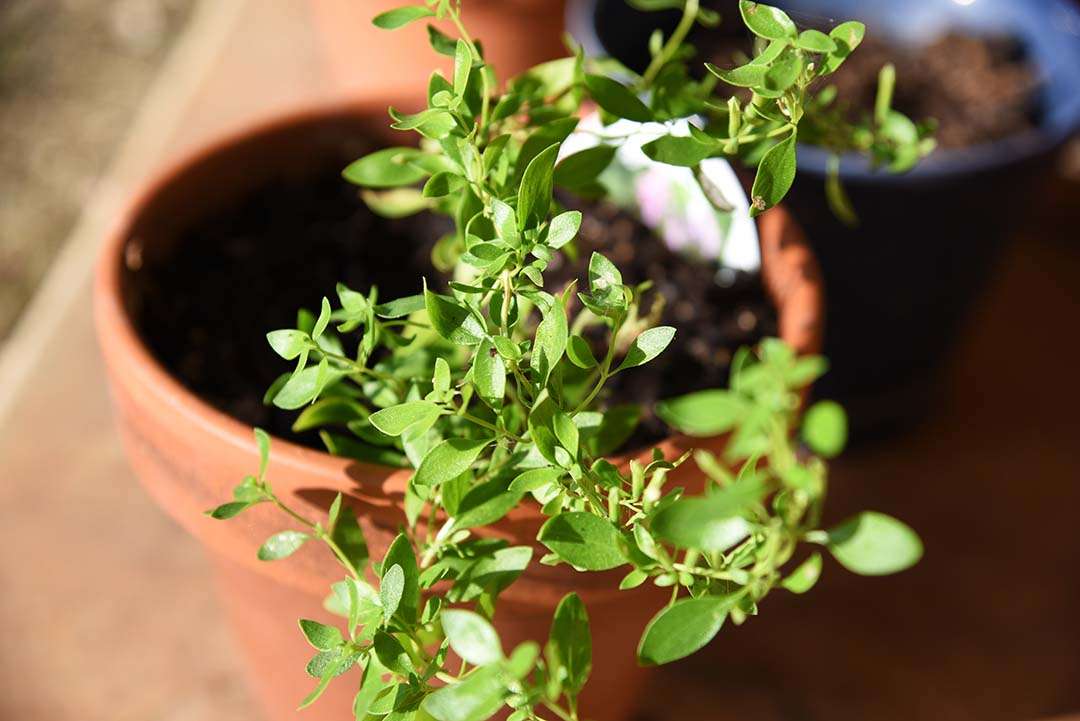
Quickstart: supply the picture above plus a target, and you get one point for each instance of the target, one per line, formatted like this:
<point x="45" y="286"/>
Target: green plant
<point x="492" y="393"/>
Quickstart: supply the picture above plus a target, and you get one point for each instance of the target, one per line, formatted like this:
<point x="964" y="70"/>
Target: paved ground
<point x="71" y="77"/>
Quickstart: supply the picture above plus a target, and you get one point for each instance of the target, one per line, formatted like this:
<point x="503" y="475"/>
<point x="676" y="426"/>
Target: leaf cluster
<point x="490" y="384"/>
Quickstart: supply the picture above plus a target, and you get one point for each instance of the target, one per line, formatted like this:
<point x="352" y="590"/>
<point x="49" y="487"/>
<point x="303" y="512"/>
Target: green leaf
<point x="767" y="21"/>
<point x="775" y="174"/>
<point x="566" y="432"/>
<point x="654" y="5"/>
<point x="348" y="447"/>
<point x="581" y="169"/>
<point x="401" y="307"/>
<point x="400" y="554"/>
<point x="395" y="420"/>
<point x="803" y="578"/>
<point x="434" y="123"/>
<point x="262" y="442"/>
<point x="485" y="504"/>
<point x="441" y="184"/>
<point x="505" y="221"/>
<point x="745" y="76"/>
<point x="617" y="99"/>
<point x="390" y="591"/>
<point x="334" y="512"/>
<point x="507" y="348"/>
<point x="883" y="102"/>
<point x="476" y="698"/>
<point x="462" y="66"/>
<point x="534" y="193"/>
<point x="647" y="345"/>
<point x="523" y="660"/>
<point x="874" y="544"/>
<point x="536" y="478"/>
<point x="681" y="629"/>
<point x="328" y="674"/>
<point x="847" y="37"/>
<point x="816" y="41"/>
<point x="322" y="321"/>
<point x="304" y="387"/>
<point x="441" y="42"/>
<point x="386" y="168"/>
<point x="350" y="539"/>
<point x="392" y="654"/>
<point x="320" y="636"/>
<point x="440" y="379"/>
<point x="704" y="413"/>
<point x="357" y="601"/>
<point x="396" y="202"/>
<point x="579" y="352"/>
<point x="677" y="150"/>
<point x="616" y="425"/>
<point x="489" y="374"/>
<point x="583" y="540"/>
<point x="709" y="523"/>
<point x="400" y="17"/>
<point x="228" y="510"/>
<point x="448" y="460"/>
<point x="553" y="132"/>
<point x="570" y="643"/>
<point x="784" y="71"/>
<point x="563" y="228"/>
<point x="371" y="685"/>
<point x="825" y="428"/>
<point x="281" y="545"/>
<point x="471" y="637"/>
<point x="288" y="344"/>
<point x="452" y="320"/>
<point x="340" y="658"/>
<point x="550" y="341"/>
<point x="602" y="274"/>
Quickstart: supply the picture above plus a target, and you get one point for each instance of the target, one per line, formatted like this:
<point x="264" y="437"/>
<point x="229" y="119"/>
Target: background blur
<point x="107" y="608"/>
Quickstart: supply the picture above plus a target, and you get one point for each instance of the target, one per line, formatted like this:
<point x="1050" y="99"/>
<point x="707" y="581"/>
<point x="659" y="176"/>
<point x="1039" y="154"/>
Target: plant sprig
<point x="491" y="386"/>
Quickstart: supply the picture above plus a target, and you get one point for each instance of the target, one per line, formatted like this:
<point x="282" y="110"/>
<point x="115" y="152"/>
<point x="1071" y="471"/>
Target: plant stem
<point x="690" y="11"/>
<point x="321" y="534"/>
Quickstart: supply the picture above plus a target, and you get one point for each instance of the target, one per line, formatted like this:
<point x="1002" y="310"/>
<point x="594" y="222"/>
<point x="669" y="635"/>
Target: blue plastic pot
<point x="901" y="283"/>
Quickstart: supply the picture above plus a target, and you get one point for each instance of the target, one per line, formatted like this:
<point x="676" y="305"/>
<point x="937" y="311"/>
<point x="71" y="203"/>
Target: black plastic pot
<point x="901" y="283"/>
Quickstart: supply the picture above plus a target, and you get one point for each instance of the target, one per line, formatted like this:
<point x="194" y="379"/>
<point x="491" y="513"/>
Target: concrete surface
<point x="72" y="75"/>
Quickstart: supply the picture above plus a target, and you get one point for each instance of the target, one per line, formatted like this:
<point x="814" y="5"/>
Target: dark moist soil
<point x="977" y="89"/>
<point x="205" y="312"/>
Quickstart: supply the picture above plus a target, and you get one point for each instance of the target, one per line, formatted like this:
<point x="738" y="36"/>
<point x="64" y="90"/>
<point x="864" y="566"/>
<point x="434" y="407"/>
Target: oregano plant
<point x="490" y="385"/>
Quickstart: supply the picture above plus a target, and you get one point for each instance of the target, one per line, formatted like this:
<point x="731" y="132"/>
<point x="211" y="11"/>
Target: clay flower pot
<point x="189" y="455"/>
<point x="364" y="60"/>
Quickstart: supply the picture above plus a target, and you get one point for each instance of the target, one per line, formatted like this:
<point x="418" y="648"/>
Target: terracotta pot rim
<point x="119" y="337"/>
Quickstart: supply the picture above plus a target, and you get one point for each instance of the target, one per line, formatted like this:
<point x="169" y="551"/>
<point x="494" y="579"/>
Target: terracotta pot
<point x="188" y="455"/>
<point x="365" y="61"/>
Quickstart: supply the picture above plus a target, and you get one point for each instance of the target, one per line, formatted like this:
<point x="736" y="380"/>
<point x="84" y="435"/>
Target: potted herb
<point x="492" y="388"/>
<point x="999" y="81"/>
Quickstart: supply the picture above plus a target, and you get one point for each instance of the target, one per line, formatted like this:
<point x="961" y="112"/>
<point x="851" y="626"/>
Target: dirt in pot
<point x="205" y="311"/>
<point x="978" y="89"/>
